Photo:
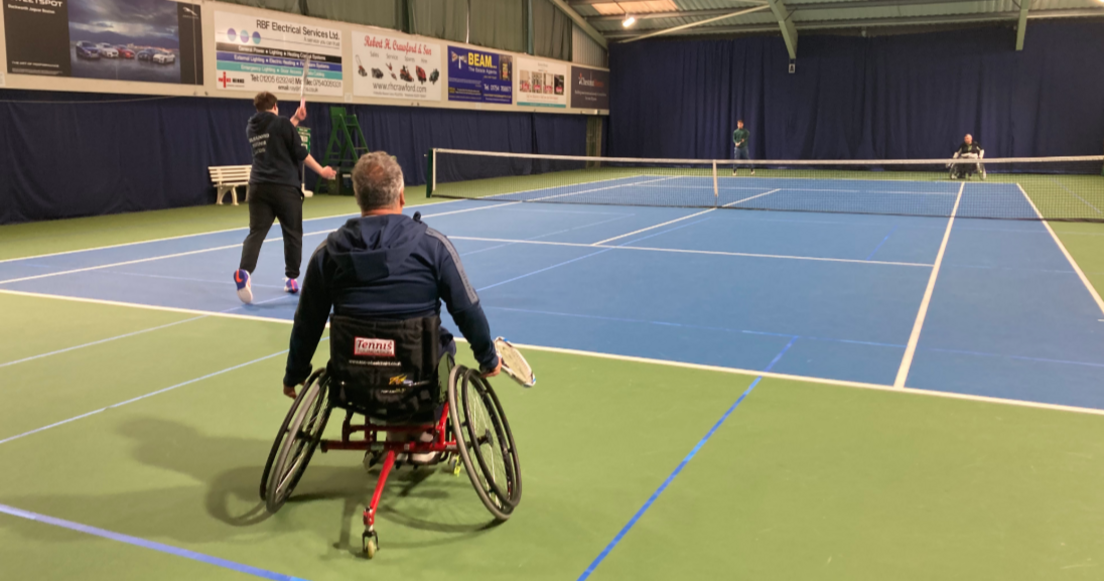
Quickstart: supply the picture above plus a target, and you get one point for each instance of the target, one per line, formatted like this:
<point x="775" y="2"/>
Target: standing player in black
<point x="740" y="141"/>
<point x="274" y="190"/>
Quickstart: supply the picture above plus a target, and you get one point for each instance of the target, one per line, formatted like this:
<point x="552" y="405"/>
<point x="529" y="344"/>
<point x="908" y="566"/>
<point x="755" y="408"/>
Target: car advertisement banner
<point x="589" y="88"/>
<point x="541" y="83"/>
<point x="264" y="54"/>
<point x="156" y="41"/>
<point x="480" y="76"/>
<point x="395" y="66"/>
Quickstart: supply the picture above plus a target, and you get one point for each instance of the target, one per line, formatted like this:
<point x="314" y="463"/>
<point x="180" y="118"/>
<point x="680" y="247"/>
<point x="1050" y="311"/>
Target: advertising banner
<point x="155" y="41"/>
<point x="395" y="66"/>
<point x="480" y="76"/>
<point x="589" y="88"/>
<point x="541" y="83"/>
<point x="265" y="54"/>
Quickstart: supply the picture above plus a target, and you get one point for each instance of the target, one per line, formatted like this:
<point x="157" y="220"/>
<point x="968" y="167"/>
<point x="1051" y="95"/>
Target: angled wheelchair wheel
<point x="280" y="435"/>
<point x="484" y="441"/>
<point x="296" y="442"/>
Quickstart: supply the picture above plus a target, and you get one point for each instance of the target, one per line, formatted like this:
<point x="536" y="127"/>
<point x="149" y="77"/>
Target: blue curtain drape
<point x="910" y="96"/>
<point x="73" y="154"/>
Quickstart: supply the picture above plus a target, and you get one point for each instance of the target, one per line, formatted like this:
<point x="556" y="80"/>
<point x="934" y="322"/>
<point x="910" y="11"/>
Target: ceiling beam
<point x="697" y="23"/>
<point x="840" y="5"/>
<point x="581" y="23"/>
<point x="1021" y="28"/>
<point x="869" y="4"/>
<point x="679" y="14"/>
<point x="857" y="23"/>
<point x="786" y="24"/>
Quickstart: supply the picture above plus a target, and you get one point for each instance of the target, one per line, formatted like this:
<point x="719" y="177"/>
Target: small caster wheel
<point x="455" y="465"/>
<point x="370" y="542"/>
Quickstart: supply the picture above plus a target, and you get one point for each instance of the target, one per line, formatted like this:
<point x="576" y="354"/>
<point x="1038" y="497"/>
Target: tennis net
<point x="1047" y="188"/>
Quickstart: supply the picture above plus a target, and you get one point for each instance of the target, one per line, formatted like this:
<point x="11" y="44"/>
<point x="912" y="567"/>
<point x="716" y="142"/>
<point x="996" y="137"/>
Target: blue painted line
<point x="1016" y="357"/>
<point x="146" y="544"/>
<point x="690" y="326"/>
<point x="545" y="269"/>
<point x="879" y="247"/>
<point x="496" y="247"/>
<point x="1011" y="268"/>
<point x="678" y="469"/>
<point x="566" y="262"/>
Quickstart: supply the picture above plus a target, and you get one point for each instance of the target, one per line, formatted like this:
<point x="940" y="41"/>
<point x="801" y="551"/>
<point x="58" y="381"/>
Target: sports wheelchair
<point x="390" y="373"/>
<point x="965" y="165"/>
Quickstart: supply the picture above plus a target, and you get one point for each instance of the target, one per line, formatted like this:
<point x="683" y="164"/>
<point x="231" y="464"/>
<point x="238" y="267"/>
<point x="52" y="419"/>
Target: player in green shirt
<point x="740" y="140"/>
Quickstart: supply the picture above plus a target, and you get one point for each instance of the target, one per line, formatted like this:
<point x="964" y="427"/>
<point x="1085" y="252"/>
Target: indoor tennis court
<point x="847" y="352"/>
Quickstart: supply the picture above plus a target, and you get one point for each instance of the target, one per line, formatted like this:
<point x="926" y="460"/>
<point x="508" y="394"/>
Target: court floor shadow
<point x="226" y="472"/>
<point x="231" y="468"/>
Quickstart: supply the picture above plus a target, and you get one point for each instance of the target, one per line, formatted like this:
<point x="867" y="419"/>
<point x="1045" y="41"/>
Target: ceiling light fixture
<point x="631" y="20"/>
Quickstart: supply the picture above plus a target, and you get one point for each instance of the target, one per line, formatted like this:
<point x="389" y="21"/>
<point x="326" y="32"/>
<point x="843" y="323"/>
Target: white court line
<point x="633" y="184"/>
<point x="126" y="262"/>
<point x="100" y="342"/>
<point x="469" y="210"/>
<point x="514" y="193"/>
<point x="182" y="236"/>
<point x="203" y="250"/>
<point x="684" y="251"/>
<point x="147" y="307"/>
<point x="201" y="315"/>
<point x="730" y="204"/>
<point x="818" y="380"/>
<point x="732" y="370"/>
<point x="791" y="189"/>
<point x="141" y="397"/>
<point x="1071" y="192"/>
<point x="1080" y="273"/>
<point x="601" y="242"/>
<point x="914" y="338"/>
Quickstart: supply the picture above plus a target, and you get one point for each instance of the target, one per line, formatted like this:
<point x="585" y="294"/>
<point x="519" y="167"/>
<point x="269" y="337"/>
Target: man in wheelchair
<point x="385" y="274"/>
<point x="971" y="154"/>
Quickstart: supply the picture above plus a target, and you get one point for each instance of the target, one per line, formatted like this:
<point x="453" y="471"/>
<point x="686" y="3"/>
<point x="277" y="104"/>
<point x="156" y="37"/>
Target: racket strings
<point x="514" y="364"/>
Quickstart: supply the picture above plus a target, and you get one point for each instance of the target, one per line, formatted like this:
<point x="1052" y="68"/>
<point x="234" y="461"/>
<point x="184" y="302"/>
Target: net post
<point x="715" y="190"/>
<point x="431" y="174"/>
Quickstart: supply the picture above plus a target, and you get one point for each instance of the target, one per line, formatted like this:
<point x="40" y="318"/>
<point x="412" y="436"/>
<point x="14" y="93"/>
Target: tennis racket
<point x="514" y="364"/>
<point x="303" y="84"/>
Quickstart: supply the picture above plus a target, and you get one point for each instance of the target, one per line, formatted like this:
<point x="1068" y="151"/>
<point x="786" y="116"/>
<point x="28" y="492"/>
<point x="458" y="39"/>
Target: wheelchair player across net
<point x="395" y="376"/>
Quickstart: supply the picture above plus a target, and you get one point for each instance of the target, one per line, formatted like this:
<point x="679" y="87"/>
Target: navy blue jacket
<point x="387" y="267"/>
<point x="277" y="150"/>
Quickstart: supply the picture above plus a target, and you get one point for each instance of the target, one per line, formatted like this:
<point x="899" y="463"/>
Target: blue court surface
<point x="1008" y="317"/>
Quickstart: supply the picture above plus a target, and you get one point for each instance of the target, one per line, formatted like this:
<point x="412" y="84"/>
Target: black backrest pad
<point x="389" y="364"/>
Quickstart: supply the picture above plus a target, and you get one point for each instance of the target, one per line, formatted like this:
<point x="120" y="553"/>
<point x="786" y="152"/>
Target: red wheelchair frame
<point x="466" y="388"/>
<point x="440" y="445"/>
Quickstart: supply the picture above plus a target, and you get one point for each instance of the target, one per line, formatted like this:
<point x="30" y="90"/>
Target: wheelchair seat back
<point x="386" y="369"/>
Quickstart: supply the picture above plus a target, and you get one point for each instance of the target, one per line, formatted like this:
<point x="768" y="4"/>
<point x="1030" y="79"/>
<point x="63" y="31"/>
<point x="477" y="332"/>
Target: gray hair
<point x="377" y="181"/>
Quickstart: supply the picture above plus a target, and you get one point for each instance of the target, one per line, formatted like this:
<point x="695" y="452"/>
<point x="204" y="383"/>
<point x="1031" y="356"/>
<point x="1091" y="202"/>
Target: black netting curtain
<point x="891" y="97"/>
<point x="500" y="24"/>
<point x="492" y="23"/>
<point x="84" y="154"/>
<point x="551" y="31"/>
<point x="291" y="6"/>
<point x="444" y="19"/>
<point x="383" y="13"/>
